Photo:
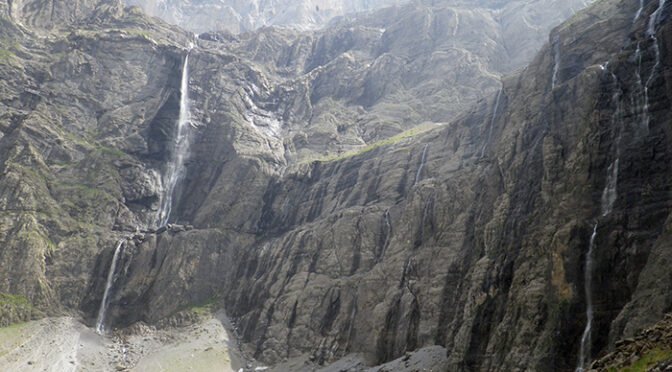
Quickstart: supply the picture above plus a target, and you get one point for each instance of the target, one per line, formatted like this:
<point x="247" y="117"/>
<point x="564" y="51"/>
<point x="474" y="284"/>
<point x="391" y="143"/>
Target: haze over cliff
<point x="458" y="185"/>
<point x="238" y="16"/>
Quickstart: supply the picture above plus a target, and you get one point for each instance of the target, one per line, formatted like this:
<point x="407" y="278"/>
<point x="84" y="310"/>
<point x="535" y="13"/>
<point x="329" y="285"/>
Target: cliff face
<point x="489" y="235"/>
<point x="238" y="16"/>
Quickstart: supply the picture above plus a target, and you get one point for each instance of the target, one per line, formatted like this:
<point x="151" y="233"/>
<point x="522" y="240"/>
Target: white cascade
<point x="422" y="164"/>
<point x="651" y="33"/>
<point x="388" y="226"/>
<point x="637" y="95"/>
<point x="584" y="352"/>
<point x="100" y="320"/>
<point x="609" y="196"/>
<point x="492" y="121"/>
<point x="556" y="58"/>
<point x="388" y="235"/>
<point x="610" y="192"/>
<point x="180" y="150"/>
<point x="639" y="11"/>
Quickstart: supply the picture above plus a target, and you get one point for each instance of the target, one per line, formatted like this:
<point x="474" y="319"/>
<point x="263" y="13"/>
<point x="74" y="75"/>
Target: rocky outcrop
<point x="317" y="226"/>
<point x="650" y="350"/>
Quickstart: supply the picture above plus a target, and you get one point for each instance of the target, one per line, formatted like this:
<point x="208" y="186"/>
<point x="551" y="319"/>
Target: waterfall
<point x="180" y="149"/>
<point x="609" y="194"/>
<point x="637" y="95"/>
<point x="492" y="121"/>
<point x="556" y="58"/>
<point x="639" y="11"/>
<point x="388" y="226"/>
<point x="422" y="164"/>
<point x="584" y="353"/>
<point x="607" y="201"/>
<point x="651" y="33"/>
<point x="100" y="320"/>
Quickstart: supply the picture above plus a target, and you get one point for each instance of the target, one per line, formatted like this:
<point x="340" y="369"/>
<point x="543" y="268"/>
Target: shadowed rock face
<point x="471" y="236"/>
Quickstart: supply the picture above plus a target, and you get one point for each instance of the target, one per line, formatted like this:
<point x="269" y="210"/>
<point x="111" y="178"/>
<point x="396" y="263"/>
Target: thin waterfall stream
<point x="639" y="11"/>
<point x="492" y="122"/>
<point x="556" y="60"/>
<point x="111" y="278"/>
<point x="422" y="164"/>
<point x="175" y="170"/>
<point x="607" y="201"/>
<point x="584" y="352"/>
<point x="651" y="33"/>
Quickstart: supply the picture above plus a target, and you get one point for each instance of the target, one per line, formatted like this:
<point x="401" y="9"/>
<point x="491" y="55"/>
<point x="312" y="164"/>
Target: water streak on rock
<point x="608" y="199"/>
<point x="492" y="122"/>
<point x="651" y="33"/>
<point x="584" y="352"/>
<point x="100" y="320"/>
<point x="556" y="58"/>
<point x="422" y="164"/>
<point x="180" y="151"/>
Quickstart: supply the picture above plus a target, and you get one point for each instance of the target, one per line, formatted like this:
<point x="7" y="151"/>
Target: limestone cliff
<point x="238" y="16"/>
<point x="324" y="220"/>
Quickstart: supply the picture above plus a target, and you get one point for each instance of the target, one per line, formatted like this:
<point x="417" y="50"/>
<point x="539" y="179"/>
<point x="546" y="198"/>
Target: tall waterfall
<point x="180" y="149"/>
<point x="584" y="353"/>
<point x="422" y="164"/>
<point x="492" y="121"/>
<point x="100" y="320"/>
<point x="607" y="201"/>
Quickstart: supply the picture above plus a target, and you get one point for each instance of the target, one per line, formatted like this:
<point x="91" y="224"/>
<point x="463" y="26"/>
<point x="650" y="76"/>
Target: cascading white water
<point x="100" y="320"/>
<point x="651" y="33"/>
<point x="639" y="11"/>
<point x="637" y="95"/>
<point x="609" y="196"/>
<point x="556" y="59"/>
<point x="492" y="121"/>
<point x="422" y="164"/>
<point x="584" y="352"/>
<point x="180" y="149"/>
<point x="388" y="225"/>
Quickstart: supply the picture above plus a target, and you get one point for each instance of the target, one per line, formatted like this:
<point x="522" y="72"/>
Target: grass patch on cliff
<point x="646" y="361"/>
<point x="202" y="307"/>
<point x="15" y="300"/>
<point x="15" y="309"/>
<point x="413" y="132"/>
<point x="112" y="151"/>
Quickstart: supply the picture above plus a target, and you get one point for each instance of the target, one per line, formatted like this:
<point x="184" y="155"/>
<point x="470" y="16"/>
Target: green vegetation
<point x="14" y="300"/>
<point x="144" y="33"/>
<point x="112" y="151"/>
<point x="6" y="53"/>
<point x="10" y="336"/>
<point x="415" y="131"/>
<point x="36" y="237"/>
<point x="647" y="361"/>
<point x="131" y="31"/>
<point x="15" y="309"/>
<point x="65" y="163"/>
<point x="202" y="307"/>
